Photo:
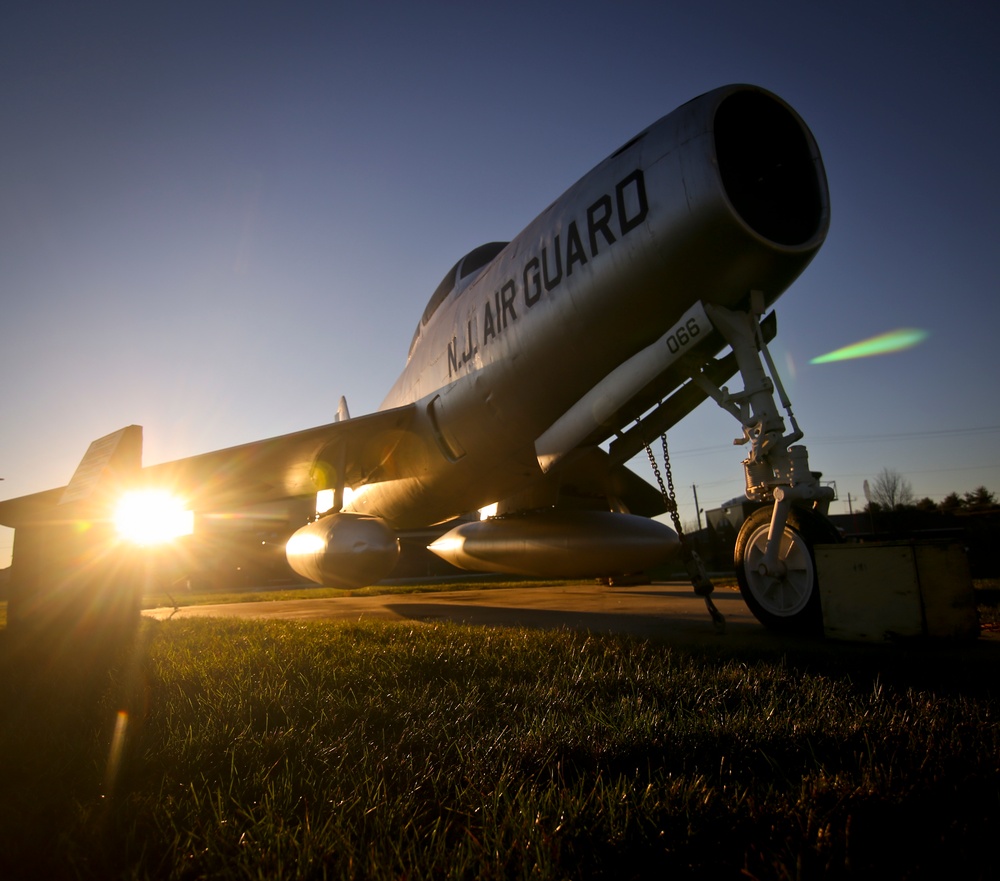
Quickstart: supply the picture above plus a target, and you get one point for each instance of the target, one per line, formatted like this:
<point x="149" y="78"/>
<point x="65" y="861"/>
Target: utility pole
<point x="697" y="510"/>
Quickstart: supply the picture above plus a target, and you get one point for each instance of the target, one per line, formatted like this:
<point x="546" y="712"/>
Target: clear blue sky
<point x="216" y="218"/>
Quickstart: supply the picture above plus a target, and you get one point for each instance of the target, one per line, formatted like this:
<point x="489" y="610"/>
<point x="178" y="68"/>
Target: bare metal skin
<point x="620" y="270"/>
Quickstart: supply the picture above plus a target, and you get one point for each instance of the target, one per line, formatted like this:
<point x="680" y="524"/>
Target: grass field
<point x="234" y="749"/>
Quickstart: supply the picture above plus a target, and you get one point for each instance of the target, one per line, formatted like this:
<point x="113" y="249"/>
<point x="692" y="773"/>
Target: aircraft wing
<point x="351" y="453"/>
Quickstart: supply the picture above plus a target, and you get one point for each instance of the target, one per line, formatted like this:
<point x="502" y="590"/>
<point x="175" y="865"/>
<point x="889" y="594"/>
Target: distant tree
<point x="890" y="490"/>
<point x="979" y="499"/>
<point x="951" y="503"/>
<point x="927" y="504"/>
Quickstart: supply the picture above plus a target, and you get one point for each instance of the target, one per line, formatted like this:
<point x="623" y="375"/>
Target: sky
<point x="216" y="218"/>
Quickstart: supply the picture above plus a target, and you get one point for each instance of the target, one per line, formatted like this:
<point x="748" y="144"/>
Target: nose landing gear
<point x="774" y="556"/>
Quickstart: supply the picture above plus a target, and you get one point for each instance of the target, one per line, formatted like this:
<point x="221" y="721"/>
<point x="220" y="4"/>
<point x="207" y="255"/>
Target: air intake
<point x="769" y="167"/>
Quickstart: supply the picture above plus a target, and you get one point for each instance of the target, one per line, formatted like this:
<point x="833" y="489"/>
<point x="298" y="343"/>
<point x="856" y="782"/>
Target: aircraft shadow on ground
<point x="643" y="625"/>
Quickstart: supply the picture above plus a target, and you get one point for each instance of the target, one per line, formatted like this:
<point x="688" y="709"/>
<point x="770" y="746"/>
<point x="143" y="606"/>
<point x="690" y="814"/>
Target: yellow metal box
<point x="895" y="590"/>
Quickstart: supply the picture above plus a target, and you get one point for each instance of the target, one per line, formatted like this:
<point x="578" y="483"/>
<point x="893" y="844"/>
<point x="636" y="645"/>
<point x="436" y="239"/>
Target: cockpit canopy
<point x="460" y="275"/>
<point x="470" y="263"/>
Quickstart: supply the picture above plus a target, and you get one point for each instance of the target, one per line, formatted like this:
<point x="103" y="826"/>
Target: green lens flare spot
<point x="883" y="344"/>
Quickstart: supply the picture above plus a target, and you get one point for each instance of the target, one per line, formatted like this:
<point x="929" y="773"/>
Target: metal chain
<point x="696" y="569"/>
<point x="672" y="496"/>
<point x="666" y="490"/>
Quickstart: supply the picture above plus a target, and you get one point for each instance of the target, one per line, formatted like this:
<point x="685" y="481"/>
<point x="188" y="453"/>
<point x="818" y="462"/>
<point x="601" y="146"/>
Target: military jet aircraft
<point x="603" y="323"/>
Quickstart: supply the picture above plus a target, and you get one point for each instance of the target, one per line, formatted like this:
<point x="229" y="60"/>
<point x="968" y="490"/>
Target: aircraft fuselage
<point x="725" y="195"/>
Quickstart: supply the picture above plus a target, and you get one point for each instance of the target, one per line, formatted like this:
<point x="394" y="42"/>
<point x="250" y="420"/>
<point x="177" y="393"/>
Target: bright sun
<point x="147" y="517"/>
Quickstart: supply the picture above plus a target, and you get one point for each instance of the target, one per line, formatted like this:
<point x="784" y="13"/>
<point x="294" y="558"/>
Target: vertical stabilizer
<point x="109" y="459"/>
<point x="342" y="412"/>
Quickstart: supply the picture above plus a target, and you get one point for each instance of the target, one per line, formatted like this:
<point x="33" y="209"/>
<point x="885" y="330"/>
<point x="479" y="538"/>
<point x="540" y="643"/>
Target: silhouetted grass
<point x="383" y="750"/>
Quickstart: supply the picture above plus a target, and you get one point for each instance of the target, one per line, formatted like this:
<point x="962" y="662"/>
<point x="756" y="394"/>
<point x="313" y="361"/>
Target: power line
<point x="918" y="435"/>
<point x="858" y="438"/>
<point x="928" y="470"/>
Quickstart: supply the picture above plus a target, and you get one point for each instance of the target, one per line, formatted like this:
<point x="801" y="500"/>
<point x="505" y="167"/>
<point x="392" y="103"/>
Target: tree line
<point x="890" y="491"/>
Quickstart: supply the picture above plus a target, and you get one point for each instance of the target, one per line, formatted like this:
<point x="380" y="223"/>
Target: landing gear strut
<point x="774" y="557"/>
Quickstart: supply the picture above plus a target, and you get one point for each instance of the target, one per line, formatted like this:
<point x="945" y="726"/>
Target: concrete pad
<point x="665" y="611"/>
<point x="669" y="610"/>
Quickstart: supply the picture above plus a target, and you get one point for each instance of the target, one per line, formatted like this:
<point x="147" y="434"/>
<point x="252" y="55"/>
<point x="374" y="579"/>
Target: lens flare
<point x="883" y="344"/>
<point x="115" y="754"/>
<point x="149" y="517"/>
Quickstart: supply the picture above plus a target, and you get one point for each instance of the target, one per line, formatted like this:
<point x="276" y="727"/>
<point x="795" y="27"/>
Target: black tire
<point x="789" y="604"/>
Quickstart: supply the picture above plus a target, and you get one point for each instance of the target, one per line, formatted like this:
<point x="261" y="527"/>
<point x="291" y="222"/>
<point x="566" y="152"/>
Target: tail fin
<point x="108" y="460"/>
<point x="342" y="412"/>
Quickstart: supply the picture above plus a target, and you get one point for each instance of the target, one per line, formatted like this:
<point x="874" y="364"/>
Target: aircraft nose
<point x="771" y="168"/>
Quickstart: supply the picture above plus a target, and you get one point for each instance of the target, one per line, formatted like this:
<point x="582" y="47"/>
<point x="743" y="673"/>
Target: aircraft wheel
<point x="790" y="603"/>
